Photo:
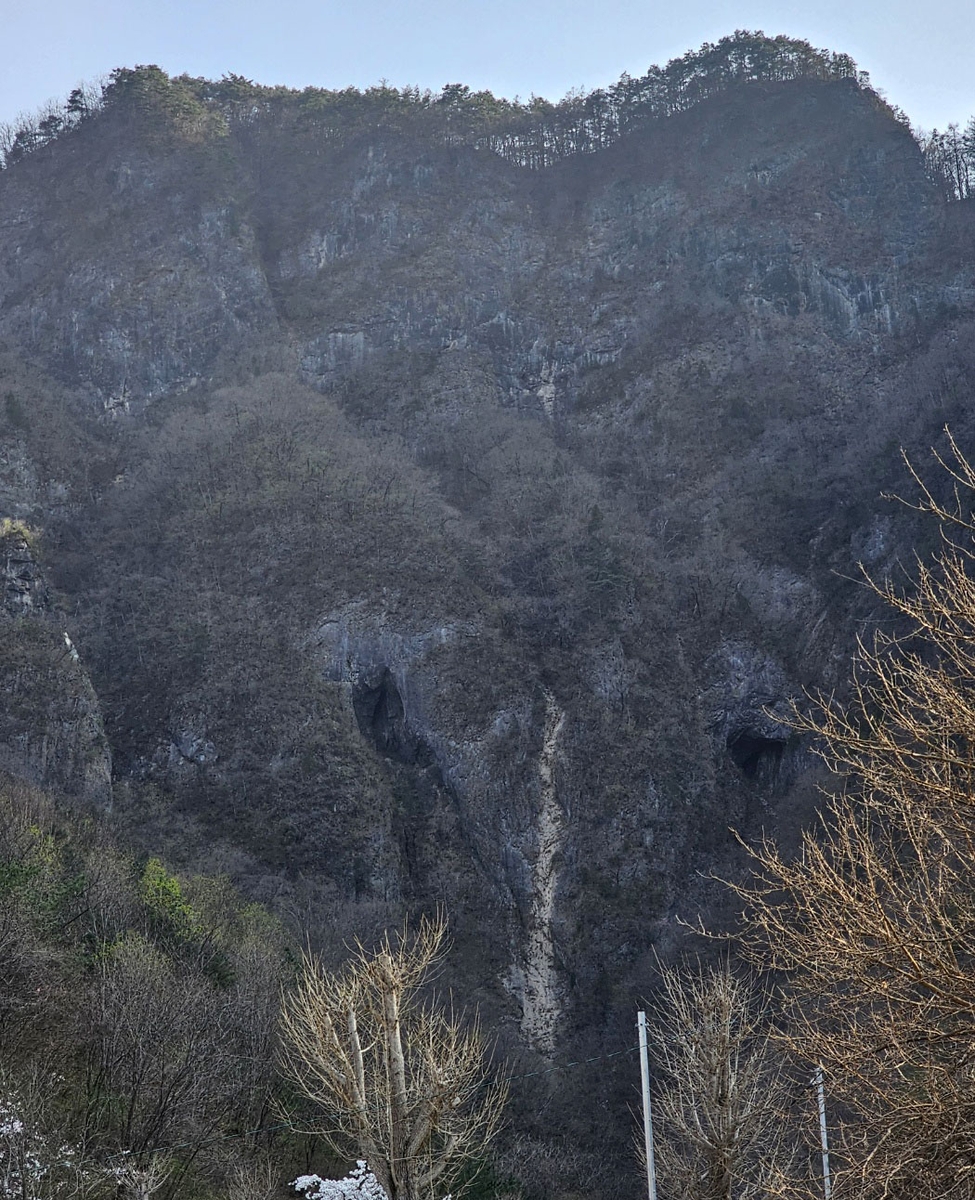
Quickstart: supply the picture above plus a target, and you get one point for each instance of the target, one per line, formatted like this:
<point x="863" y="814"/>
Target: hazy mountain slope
<point x="445" y="531"/>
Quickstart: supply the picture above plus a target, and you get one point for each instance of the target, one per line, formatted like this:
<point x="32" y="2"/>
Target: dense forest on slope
<point x="419" y="501"/>
<point x="138" y="1012"/>
<point x="533" y="133"/>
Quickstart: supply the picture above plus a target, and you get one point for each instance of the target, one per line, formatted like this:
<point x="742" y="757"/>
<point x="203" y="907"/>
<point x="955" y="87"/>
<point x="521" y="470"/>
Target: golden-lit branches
<point x="399" y="1083"/>
<point x="719" y="1111"/>
<point x="874" y="921"/>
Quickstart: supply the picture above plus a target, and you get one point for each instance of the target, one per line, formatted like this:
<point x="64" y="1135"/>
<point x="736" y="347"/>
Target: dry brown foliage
<point x="874" y="921"/>
<point x="718" y="1115"/>
<point x="401" y="1084"/>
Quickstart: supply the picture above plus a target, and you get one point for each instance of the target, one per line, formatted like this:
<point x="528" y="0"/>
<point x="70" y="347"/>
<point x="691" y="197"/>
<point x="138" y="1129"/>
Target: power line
<point x="580" y="1062"/>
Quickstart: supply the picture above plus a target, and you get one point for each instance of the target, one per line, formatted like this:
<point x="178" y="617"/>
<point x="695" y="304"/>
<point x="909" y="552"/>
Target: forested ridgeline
<point x="533" y="133"/>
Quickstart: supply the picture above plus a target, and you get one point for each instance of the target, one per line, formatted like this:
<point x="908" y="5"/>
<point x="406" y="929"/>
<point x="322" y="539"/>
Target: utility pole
<point x="823" y="1140"/>
<point x="641" y="1023"/>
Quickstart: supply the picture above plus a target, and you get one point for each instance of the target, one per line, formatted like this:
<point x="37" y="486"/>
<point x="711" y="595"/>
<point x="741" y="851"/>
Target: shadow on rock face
<point x="381" y="718"/>
<point x="755" y="756"/>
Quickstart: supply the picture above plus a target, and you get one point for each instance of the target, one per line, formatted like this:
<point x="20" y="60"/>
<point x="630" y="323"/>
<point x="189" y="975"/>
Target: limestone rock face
<point x="24" y="593"/>
<point x="51" y="729"/>
<point x="130" y="308"/>
<point x="749" y="696"/>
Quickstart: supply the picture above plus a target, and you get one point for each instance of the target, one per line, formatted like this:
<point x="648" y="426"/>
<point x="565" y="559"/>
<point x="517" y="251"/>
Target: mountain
<point x="443" y="507"/>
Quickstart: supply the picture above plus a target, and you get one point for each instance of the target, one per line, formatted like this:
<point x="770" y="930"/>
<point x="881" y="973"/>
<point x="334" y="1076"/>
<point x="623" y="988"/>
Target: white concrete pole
<point x="641" y="1022"/>
<point x="823" y="1139"/>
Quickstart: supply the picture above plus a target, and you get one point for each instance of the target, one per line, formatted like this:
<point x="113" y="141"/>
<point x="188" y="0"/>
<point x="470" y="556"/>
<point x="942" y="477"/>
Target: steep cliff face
<point x="122" y="305"/>
<point x="449" y="531"/>
<point x="783" y="200"/>
<point x="51" y="729"/>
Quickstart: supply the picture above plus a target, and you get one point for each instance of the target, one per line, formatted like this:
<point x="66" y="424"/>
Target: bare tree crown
<point x="874" y="921"/>
<point x="397" y="1082"/>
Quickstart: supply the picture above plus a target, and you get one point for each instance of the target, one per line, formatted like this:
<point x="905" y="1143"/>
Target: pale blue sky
<point x="921" y="55"/>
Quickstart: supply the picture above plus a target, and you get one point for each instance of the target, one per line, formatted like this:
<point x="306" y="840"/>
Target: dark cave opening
<point x="381" y="717"/>
<point x="755" y="756"/>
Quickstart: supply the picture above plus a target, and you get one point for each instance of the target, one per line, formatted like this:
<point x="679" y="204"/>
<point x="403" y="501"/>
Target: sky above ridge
<point x="920" y="55"/>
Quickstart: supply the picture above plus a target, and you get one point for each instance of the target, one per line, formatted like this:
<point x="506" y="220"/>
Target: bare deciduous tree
<point x="402" y="1084"/>
<point x="719" y="1113"/>
<point x="142" y="1182"/>
<point x="175" y="1056"/>
<point x="37" y="1161"/>
<point x="874" y="922"/>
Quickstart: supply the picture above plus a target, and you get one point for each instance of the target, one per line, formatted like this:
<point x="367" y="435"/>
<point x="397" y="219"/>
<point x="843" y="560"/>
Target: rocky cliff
<point x="435" y="529"/>
<point x="51" y="729"/>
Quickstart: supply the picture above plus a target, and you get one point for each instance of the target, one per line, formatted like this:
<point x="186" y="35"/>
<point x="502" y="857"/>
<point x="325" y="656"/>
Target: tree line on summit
<point x="534" y="133"/>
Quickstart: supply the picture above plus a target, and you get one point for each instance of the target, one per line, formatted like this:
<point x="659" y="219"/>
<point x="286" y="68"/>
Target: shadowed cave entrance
<point x="757" y="757"/>
<point x="381" y="718"/>
<point x="418" y="793"/>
